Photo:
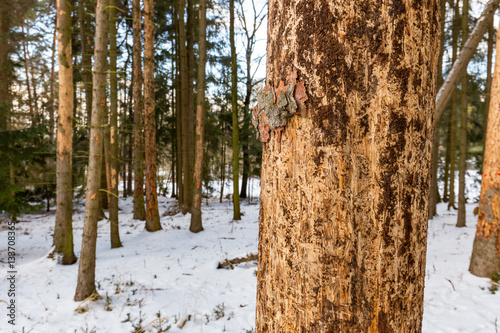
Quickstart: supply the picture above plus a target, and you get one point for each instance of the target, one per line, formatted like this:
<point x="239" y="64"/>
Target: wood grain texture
<point x="343" y="220"/>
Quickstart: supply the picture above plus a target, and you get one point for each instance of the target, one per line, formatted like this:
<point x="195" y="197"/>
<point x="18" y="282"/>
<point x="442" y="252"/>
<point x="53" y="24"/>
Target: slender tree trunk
<point x="223" y="168"/>
<point x="464" y="106"/>
<point x="434" y="192"/>
<point x="489" y="65"/>
<point x="113" y="130"/>
<point x="189" y="179"/>
<point x="485" y="259"/>
<point x="26" y="71"/>
<point x="446" y="170"/>
<point x="460" y="66"/>
<point x="139" y="210"/>
<point x="63" y="230"/>
<point x="186" y="185"/>
<point x="86" y="270"/>
<point x="453" y="123"/>
<point x="52" y="103"/>
<point x="178" y="123"/>
<point x="152" y="215"/>
<point x="246" y="123"/>
<point x="196" y="222"/>
<point x="234" y="106"/>
<point x="86" y="42"/>
<point x="347" y="249"/>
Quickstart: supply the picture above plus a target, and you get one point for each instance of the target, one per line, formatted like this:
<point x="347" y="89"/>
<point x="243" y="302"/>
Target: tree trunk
<point x="86" y="42"/>
<point x="234" y="107"/>
<point x="178" y="122"/>
<point x="184" y="108"/>
<point x="434" y="192"/>
<point x="453" y="123"/>
<point x="460" y="66"/>
<point x="196" y="222"/>
<point x="485" y="259"/>
<point x="86" y="270"/>
<point x="464" y="106"/>
<point x="63" y="230"/>
<point x="52" y="101"/>
<point x="152" y="215"/>
<point x="139" y="210"/>
<point x="189" y="179"/>
<point x="26" y="71"/>
<point x="491" y="41"/>
<point x="113" y="130"/>
<point x="344" y="200"/>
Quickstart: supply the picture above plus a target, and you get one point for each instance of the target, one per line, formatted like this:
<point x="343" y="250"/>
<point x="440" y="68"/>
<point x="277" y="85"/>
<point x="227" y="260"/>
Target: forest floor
<point x="168" y="280"/>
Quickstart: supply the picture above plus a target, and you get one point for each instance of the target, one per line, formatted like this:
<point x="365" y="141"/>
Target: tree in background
<point x="86" y="269"/>
<point x="464" y="109"/>
<point x="196" y="221"/>
<point x="250" y="29"/>
<point x="343" y="219"/>
<point x="234" y="107"/>
<point x="139" y="210"/>
<point x="152" y="215"/>
<point x="63" y="230"/>
<point x="485" y="259"/>
<point x="112" y="156"/>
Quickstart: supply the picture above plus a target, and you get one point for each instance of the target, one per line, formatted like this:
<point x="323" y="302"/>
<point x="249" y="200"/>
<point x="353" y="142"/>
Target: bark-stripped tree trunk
<point x="234" y="107"/>
<point x="184" y="107"/>
<point x="343" y="219"/>
<point x="460" y="66"/>
<point x="152" y="215"/>
<point x="63" y="230"/>
<point x="139" y="210"/>
<point x="196" y="222"/>
<point x="86" y="270"/>
<point x="485" y="259"/>
<point x="464" y="106"/>
<point x="112" y="156"/>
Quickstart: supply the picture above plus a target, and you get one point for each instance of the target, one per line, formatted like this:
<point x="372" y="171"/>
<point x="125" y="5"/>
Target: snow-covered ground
<point x="170" y="278"/>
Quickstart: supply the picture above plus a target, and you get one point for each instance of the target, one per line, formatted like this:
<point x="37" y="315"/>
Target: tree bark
<point x="460" y="66"/>
<point x="113" y="157"/>
<point x="184" y="108"/>
<point x="464" y="106"/>
<point x="63" y="230"/>
<point x="189" y="177"/>
<point x="152" y="215"/>
<point x="485" y="259"/>
<point x="52" y="101"/>
<point x="196" y="221"/>
<point x="489" y="65"/>
<point x="434" y="192"/>
<point x="344" y="200"/>
<point x="139" y="210"/>
<point x="86" y="270"/>
<point x="86" y="42"/>
<point x="26" y="71"/>
<point x="453" y="123"/>
<point x="234" y="107"/>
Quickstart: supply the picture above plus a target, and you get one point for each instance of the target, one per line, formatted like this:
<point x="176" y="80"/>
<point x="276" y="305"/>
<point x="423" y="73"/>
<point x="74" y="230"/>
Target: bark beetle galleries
<point x="276" y="105"/>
